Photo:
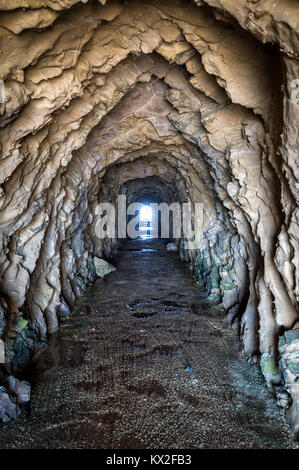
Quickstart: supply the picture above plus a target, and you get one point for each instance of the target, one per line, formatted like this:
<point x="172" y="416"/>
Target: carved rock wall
<point x="190" y="100"/>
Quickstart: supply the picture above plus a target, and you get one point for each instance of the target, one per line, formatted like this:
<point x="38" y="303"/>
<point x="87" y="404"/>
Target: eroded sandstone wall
<point x="199" y="94"/>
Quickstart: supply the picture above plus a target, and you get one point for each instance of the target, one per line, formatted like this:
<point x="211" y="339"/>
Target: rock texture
<point x="184" y="100"/>
<point x="15" y="393"/>
<point x="153" y="367"/>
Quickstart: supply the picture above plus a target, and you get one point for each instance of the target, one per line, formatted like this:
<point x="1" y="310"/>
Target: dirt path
<point x="145" y="363"/>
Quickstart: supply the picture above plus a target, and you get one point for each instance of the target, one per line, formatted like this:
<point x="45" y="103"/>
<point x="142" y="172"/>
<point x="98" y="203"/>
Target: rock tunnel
<point x="161" y="101"/>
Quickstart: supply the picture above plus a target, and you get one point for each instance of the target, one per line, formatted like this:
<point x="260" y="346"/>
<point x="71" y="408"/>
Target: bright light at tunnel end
<point x="146" y="213"/>
<point x="187" y="220"/>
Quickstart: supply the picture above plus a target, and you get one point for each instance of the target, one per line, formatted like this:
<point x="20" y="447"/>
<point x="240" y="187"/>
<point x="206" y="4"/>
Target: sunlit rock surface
<point x="192" y="100"/>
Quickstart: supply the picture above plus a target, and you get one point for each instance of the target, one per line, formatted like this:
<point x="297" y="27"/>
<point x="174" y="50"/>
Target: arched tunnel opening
<point x="149" y="224"/>
<point x="146" y="224"/>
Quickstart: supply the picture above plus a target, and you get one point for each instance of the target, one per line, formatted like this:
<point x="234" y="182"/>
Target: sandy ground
<point x="145" y="363"/>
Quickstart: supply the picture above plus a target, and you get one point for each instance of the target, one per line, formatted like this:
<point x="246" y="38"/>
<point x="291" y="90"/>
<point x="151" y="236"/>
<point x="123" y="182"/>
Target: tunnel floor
<point x="146" y="363"/>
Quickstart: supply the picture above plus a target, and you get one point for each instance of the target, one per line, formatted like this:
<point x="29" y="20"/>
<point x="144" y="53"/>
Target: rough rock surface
<point x="9" y="409"/>
<point x="194" y="101"/>
<point x="179" y="381"/>
<point x="289" y="363"/>
<point x="20" y="388"/>
<point x="102" y="267"/>
<point x="17" y="392"/>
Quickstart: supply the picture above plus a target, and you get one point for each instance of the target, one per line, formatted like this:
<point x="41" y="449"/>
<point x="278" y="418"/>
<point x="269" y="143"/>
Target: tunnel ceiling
<point x="183" y="100"/>
<point x="152" y="177"/>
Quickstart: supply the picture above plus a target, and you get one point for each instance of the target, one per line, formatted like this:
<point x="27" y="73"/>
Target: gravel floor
<point x="145" y="363"/>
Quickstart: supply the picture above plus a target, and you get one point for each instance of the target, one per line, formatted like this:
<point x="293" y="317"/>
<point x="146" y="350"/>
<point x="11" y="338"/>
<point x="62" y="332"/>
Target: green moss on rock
<point x="227" y="284"/>
<point x="21" y="323"/>
<point x="270" y="370"/>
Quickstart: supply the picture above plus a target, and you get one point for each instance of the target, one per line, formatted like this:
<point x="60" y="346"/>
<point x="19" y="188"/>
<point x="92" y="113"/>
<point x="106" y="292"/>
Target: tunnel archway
<point x="187" y="104"/>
